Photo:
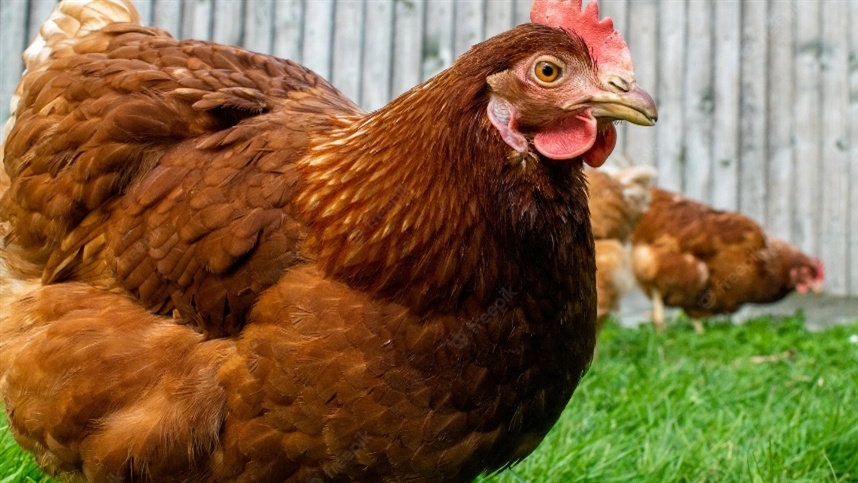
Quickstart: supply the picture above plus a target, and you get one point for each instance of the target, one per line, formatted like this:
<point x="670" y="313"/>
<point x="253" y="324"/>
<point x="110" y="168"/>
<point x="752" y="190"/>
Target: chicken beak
<point x="635" y="106"/>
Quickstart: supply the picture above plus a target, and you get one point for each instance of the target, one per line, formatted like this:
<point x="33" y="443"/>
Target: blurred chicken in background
<point x="707" y="262"/>
<point x="617" y="201"/>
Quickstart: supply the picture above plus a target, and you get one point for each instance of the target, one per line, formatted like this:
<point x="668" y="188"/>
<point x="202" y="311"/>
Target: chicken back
<point x="217" y="268"/>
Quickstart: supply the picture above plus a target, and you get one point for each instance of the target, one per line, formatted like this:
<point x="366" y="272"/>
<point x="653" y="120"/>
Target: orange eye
<point x="547" y="71"/>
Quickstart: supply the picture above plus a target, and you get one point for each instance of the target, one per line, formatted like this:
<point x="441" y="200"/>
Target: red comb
<point x="606" y="44"/>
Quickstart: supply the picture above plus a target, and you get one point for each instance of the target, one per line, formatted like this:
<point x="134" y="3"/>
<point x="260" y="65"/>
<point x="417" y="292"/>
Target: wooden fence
<point x="758" y="99"/>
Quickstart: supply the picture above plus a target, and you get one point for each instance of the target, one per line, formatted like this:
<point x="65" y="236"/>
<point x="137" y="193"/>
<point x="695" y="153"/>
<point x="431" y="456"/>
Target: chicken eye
<point x="547" y="71"/>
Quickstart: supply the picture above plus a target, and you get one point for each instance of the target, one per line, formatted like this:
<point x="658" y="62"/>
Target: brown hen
<point x="220" y="269"/>
<point x="708" y="262"/>
<point x="616" y="200"/>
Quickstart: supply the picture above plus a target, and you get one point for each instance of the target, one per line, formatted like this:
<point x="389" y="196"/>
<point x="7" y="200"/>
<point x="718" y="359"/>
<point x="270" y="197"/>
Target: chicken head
<point x="808" y="277"/>
<point x="564" y="102"/>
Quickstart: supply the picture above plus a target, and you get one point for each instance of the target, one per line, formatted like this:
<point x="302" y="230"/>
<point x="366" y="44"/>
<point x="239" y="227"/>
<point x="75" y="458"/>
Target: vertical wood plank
<point x="197" y="19"/>
<point x="13" y="41"/>
<point x="835" y="145"/>
<point x="725" y="135"/>
<point x="167" y="14"/>
<point x="521" y="11"/>
<point x="408" y="45"/>
<point x="40" y="10"/>
<point x="500" y="16"/>
<point x="348" y="47"/>
<point x="144" y="8"/>
<point x="699" y="101"/>
<point x="852" y="41"/>
<point x="438" y="40"/>
<point x="227" y="24"/>
<point x="808" y="49"/>
<point x="670" y="131"/>
<point x="642" y="38"/>
<point x="318" y="32"/>
<point x="469" y="25"/>
<point x="258" y="26"/>
<point x="780" y="172"/>
<point x="751" y="164"/>
<point x="378" y="50"/>
<point x="288" y="29"/>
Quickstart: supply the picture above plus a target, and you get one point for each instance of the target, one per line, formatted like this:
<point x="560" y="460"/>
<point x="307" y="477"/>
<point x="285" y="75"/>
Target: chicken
<point x="220" y="269"/>
<point x="614" y="277"/>
<point x="616" y="201"/>
<point x="709" y="262"/>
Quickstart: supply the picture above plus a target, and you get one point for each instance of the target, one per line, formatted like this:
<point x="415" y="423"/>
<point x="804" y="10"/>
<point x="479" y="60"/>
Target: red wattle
<point x="602" y="148"/>
<point x="574" y="136"/>
<point x="567" y="138"/>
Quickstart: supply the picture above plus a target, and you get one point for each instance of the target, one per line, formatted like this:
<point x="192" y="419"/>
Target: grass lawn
<point x="763" y="402"/>
<point x="15" y="466"/>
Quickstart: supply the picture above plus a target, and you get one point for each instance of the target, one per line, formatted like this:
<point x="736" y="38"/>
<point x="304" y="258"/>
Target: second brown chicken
<point x="707" y="262"/>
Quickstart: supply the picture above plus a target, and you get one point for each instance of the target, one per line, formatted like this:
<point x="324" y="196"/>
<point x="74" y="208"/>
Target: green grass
<point x="763" y="402"/>
<point x="16" y="466"/>
<point x="766" y="401"/>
